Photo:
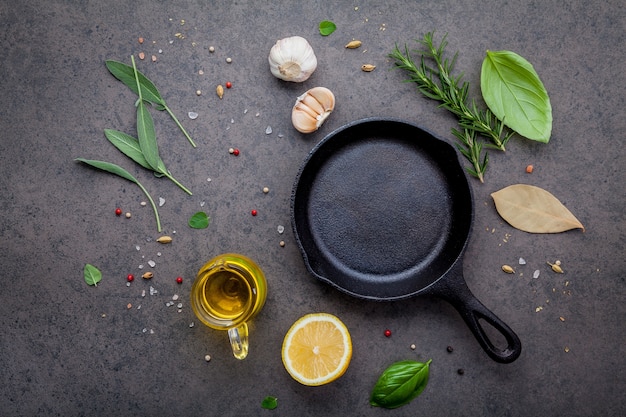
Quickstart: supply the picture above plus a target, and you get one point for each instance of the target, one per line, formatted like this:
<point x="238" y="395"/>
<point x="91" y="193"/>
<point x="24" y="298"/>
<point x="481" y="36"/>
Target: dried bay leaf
<point x="534" y="210"/>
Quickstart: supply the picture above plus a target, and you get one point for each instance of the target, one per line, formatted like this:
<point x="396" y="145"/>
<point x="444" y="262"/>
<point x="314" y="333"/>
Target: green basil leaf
<point x="126" y="75"/>
<point x="400" y="383"/>
<point x="515" y="94"/>
<point x="92" y="275"/>
<point x="327" y="27"/>
<point x="269" y="403"/>
<point x="199" y="221"/>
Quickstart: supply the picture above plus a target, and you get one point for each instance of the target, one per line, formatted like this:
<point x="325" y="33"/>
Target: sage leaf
<point x="126" y="75"/>
<point x="92" y="275"/>
<point x="121" y="172"/>
<point x="269" y="403"/>
<point x="145" y="88"/>
<point x="327" y="27"/>
<point x="400" y="383"/>
<point x="514" y="93"/>
<point x="147" y="138"/>
<point x="534" y="210"/>
<point x="199" y="220"/>
<point x="128" y="145"/>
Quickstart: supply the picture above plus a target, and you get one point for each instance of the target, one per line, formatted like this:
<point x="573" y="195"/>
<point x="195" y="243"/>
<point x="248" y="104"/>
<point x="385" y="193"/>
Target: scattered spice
<point x="220" y="91"/>
<point x="206" y="357"/>
<point x="118" y="211"/>
<point x="229" y="60"/>
<point x="368" y="67"/>
<point x="556" y="267"/>
<point x="128" y="215"/>
<point x="387" y="333"/>
<point x="130" y="278"/>
<point x="147" y="275"/>
<point x="353" y="44"/>
<point x="179" y="280"/>
<point x="229" y="84"/>
<point x="460" y="371"/>
<point x="566" y="349"/>
<point x="236" y="152"/>
<point x="450" y="349"/>
<point x="164" y="239"/>
<point x="254" y="212"/>
<point x="140" y="40"/>
<point x="282" y="243"/>
<point x="266" y="190"/>
<point x="142" y="56"/>
<point x="198" y="92"/>
<point x="529" y="169"/>
<point x="508" y="269"/>
<point x="154" y="58"/>
<point x="129" y="306"/>
<point x="211" y="49"/>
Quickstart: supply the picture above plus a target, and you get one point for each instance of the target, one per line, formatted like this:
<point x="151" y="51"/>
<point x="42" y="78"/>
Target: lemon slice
<point x="317" y="349"/>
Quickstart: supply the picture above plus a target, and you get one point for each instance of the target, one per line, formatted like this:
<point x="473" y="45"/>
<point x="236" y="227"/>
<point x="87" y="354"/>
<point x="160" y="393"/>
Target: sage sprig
<point x="121" y="172"/>
<point x="145" y="88"/>
<point x="129" y="146"/>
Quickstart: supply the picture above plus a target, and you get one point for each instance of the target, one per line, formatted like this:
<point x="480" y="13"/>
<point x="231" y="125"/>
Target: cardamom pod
<point x="164" y="239"/>
<point x="353" y="44"/>
<point x="147" y="275"/>
<point x="220" y="91"/>
<point x="556" y="268"/>
<point x="368" y="67"/>
<point x="508" y="269"/>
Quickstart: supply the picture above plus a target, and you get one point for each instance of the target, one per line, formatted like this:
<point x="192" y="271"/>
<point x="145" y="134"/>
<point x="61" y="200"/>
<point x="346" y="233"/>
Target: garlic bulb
<point x="292" y="59"/>
<point x="312" y="109"/>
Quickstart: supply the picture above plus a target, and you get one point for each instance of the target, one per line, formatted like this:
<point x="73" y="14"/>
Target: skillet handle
<point x="454" y="290"/>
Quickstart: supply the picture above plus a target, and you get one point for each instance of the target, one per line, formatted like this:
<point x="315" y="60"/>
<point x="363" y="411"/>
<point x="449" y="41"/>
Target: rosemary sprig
<point x="438" y="83"/>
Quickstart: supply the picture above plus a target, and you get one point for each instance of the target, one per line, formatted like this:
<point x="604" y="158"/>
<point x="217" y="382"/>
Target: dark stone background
<point x="68" y="349"/>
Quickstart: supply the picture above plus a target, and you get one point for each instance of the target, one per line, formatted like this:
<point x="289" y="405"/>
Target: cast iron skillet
<point x="382" y="210"/>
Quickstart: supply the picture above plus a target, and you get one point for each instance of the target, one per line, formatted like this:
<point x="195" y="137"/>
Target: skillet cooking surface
<point x="381" y="209"/>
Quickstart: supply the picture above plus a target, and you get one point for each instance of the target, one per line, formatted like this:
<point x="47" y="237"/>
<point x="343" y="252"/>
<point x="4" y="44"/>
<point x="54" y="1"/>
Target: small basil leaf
<point x="199" y="221"/>
<point x="515" y="94"/>
<point x="92" y="275"/>
<point x="400" y="383"/>
<point x="327" y="27"/>
<point x="269" y="403"/>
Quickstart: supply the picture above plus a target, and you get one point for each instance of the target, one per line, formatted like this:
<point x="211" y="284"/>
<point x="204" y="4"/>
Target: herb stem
<point x="180" y="126"/>
<point x="177" y="183"/>
<point x="156" y="212"/>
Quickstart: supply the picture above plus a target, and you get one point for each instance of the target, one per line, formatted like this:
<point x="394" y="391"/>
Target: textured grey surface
<point x="69" y="349"/>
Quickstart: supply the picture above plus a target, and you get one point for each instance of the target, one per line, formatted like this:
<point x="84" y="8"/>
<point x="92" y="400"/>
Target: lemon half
<point x="317" y="349"/>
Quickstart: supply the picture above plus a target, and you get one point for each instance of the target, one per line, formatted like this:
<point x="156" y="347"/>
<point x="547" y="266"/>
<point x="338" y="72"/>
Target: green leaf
<point x="327" y="27"/>
<point x="92" y="275"/>
<point x="126" y="75"/>
<point x="515" y="94"/>
<point x="400" y="383"/>
<point x="128" y="145"/>
<point x="147" y="138"/>
<point x="269" y="403"/>
<point x="121" y="172"/>
<point x="199" y="221"/>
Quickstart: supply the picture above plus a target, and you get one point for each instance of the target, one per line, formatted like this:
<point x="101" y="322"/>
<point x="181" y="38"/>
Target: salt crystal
<point x="180" y="311"/>
<point x="168" y="304"/>
<point x="191" y="324"/>
<point x="143" y="293"/>
<point x="202" y="203"/>
<point x="208" y="179"/>
<point x="144" y="330"/>
<point x="192" y="115"/>
<point x="152" y="263"/>
<point x="536" y="274"/>
<point x="232" y="121"/>
<point x="175" y="297"/>
<point x="128" y="284"/>
<point x="137" y="247"/>
<point x="280" y="229"/>
<point x="161" y="201"/>
<point x="153" y="291"/>
<point x="160" y="51"/>
<point x="257" y="115"/>
<point x="522" y="261"/>
<point x="158" y="253"/>
<point x="151" y="331"/>
<point x="139" y="307"/>
<point x="268" y="130"/>
<point x="173" y="232"/>
<point x="245" y="111"/>
<point x="140" y="266"/>
<point x="280" y="135"/>
<point x="180" y="305"/>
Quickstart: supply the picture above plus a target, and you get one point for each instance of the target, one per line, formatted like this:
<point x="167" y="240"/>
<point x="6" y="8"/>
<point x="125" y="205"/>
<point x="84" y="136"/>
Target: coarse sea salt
<point x="152" y="263"/>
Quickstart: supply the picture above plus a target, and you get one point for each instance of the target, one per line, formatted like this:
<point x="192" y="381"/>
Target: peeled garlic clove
<point x="312" y="109"/>
<point x="292" y="59"/>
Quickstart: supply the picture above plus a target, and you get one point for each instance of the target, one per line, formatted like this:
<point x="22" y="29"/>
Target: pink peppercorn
<point x="179" y="280"/>
<point x="387" y="333"/>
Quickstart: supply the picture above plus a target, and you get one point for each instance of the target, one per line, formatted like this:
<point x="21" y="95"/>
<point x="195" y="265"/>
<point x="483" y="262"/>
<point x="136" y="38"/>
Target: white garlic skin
<point x="292" y="59"/>
<point x="312" y="109"/>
